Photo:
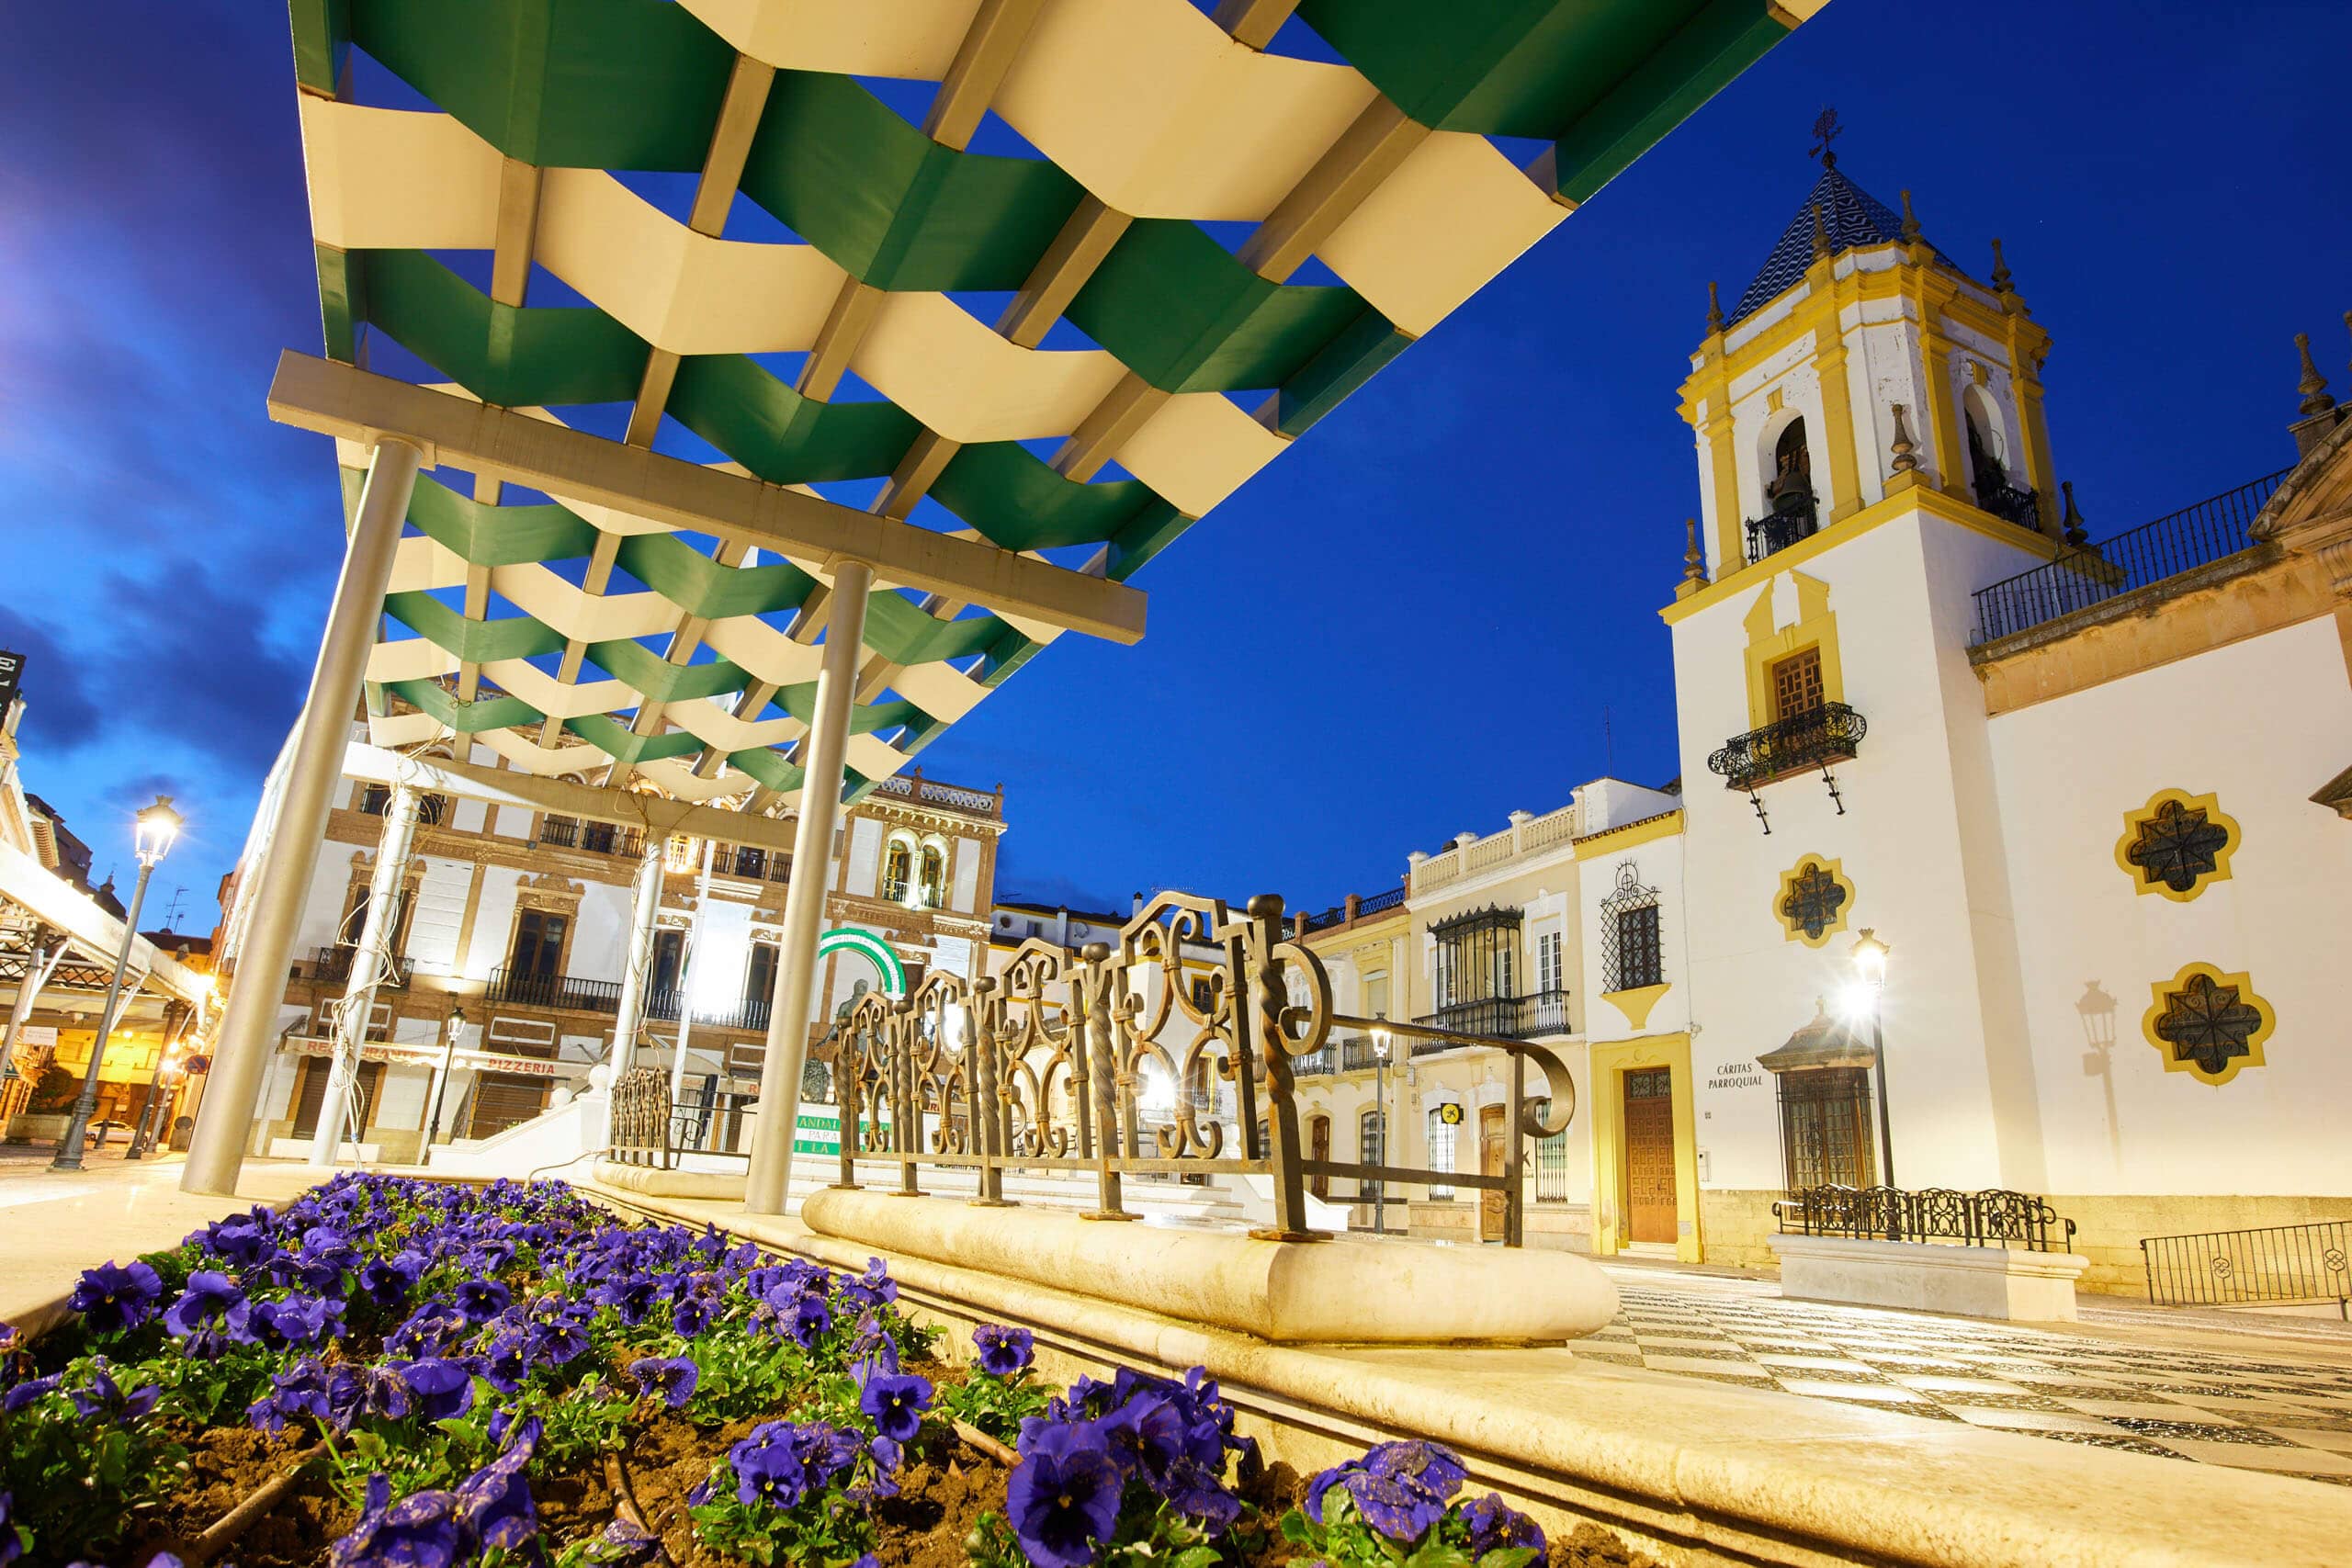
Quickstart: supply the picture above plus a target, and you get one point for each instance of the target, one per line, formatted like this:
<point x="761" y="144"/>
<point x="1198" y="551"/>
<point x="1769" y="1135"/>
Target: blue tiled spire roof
<point x="1852" y="216"/>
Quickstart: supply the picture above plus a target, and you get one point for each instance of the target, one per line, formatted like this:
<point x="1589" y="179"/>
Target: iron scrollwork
<point x="1170" y="1052"/>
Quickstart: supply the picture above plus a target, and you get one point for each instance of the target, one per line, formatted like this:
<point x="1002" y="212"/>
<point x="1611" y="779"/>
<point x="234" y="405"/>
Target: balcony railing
<point x="931" y="791"/>
<point x="1793" y="518"/>
<point x="1997" y="1217"/>
<point x="2180" y="541"/>
<point x="596" y="837"/>
<point x="1816" y="737"/>
<point x="1509" y="1018"/>
<point x="664" y="1004"/>
<point x="558" y="992"/>
<point x="2012" y="504"/>
<point x="332" y="966"/>
<point x="1359" y="909"/>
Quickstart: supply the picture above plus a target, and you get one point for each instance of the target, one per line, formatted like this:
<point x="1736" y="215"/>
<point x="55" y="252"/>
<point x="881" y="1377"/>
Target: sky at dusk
<point x="1439" y="607"/>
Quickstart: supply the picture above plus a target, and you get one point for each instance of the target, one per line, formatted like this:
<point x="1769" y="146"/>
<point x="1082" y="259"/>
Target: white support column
<point x="249" y="1025"/>
<point x="804" y="898"/>
<point x="645" y="905"/>
<point x="692" y="950"/>
<point x="41" y="964"/>
<point x="371" y="965"/>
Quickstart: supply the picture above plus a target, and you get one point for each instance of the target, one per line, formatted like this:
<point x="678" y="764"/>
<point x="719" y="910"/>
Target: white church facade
<point x="2092" y="799"/>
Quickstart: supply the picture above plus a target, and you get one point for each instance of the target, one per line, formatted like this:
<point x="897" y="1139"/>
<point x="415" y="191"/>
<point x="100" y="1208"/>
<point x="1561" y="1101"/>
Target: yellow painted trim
<point x="1837" y="870"/>
<point x="2244" y="985"/>
<point x="1934" y="503"/>
<point x="1815" y="627"/>
<point x="1610" y="1063"/>
<point x="2133" y="821"/>
<point x="1836" y="410"/>
<point x="1609" y="841"/>
<point x="1636" y="1003"/>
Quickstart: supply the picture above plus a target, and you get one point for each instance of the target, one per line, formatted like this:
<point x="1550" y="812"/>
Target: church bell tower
<point x="1859" y="363"/>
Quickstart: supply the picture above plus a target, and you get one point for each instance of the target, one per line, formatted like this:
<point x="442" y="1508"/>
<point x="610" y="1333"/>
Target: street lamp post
<point x="158" y="825"/>
<point x="1380" y="1118"/>
<point x="1869" y="964"/>
<point x="167" y="1063"/>
<point x="441" y="1080"/>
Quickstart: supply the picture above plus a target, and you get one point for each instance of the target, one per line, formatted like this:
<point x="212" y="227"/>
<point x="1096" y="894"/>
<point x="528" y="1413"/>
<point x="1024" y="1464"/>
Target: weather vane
<point x="1826" y="130"/>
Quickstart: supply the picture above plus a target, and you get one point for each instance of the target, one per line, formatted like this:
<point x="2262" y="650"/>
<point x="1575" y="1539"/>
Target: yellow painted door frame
<point x="1612" y="1060"/>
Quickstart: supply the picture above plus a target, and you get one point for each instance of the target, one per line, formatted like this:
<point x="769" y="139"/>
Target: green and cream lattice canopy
<point x="1154" y="178"/>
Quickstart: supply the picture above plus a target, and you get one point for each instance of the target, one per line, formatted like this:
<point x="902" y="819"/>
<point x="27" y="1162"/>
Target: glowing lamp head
<point x="1379" y="1046"/>
<point x="1869" y="959"/>
<point x="158" y="825"/>
<point x="457" y="1017"/>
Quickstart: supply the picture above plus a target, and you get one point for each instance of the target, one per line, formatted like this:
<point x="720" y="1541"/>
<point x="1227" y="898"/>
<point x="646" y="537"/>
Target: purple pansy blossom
<point x="1003" y="1351"/>
<point x="1494" y="1525"/>
<point x="210" y="1296"/>
<point x="672" y="1377"/>
<point x="24" y="1393"/>
<point x="1063" y="1497"/>
<point x="295" y="1320"/>
<point x="1401" y="1489"/>
<point x="103" y="1396"/>
<point x="114" y="1297"/>
<point x="443" y="1388"/>
<point x="495" y="1500"/>
<point x="896" y="1403"/>
<point x="482" y="1300"/>
<point x="422" y="1531"/>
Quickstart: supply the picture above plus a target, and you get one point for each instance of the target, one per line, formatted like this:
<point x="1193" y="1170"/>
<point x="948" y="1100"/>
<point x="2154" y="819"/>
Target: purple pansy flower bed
<point x="427" y="1375"/>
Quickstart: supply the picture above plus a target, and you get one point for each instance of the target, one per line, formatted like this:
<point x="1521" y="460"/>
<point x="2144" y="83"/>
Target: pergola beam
<point x="659" y="814"/>
<point x="351" y="404"/>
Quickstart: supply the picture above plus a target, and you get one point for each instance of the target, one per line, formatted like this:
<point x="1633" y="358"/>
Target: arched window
<point x="897" y="869"/>
<point x="1790" y="490"/>
<point x="1988" y="465"/>
<point x="935" y="876"/>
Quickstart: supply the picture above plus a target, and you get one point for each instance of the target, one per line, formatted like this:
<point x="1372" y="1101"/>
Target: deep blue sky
<point x="1411" y="624"/>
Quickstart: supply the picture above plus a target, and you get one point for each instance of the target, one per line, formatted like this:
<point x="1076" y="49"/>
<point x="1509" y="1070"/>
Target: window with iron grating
<point x="1633" y="953"/>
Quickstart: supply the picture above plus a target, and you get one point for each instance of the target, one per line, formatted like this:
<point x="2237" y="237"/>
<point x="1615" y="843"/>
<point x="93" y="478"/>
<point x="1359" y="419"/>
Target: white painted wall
<point x="2260" y="724"/>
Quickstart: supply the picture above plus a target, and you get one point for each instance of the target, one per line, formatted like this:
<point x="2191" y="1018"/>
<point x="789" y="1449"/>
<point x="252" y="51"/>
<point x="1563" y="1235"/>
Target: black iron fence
<point x="2278" y="1265"/>
<point x="1996" y="1217"/>
<point x="2180" y="541"/>
<point x="1830" y="732"/>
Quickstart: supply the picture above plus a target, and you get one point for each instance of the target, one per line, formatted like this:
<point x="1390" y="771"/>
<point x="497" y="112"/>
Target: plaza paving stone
<point x="2179" y="1402"/>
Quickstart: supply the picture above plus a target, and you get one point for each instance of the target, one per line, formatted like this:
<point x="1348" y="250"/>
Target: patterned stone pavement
<point x="2245" y="1409"/>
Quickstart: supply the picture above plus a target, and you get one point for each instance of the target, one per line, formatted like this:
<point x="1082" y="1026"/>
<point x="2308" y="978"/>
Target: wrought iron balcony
<point x="1795" y="516"/>
<point x="2012" y="504"/>
<point x="750" y="1013"/>
<point x="1813" y="739"/>
<point x="596" y="837"/>
<point x="332" y="966"/>
<point x="558" y="993"/>
<point x="1508" y="1018"/>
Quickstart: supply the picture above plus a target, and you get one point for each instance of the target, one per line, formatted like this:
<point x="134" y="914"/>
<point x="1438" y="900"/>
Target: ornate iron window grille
<point x="1814" y="738"/>
<point x="1631" y="949"/>
<point x="1813" y="901"/>
<point x="2176" y="845"/>
<point x="2207" y="1023"/>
